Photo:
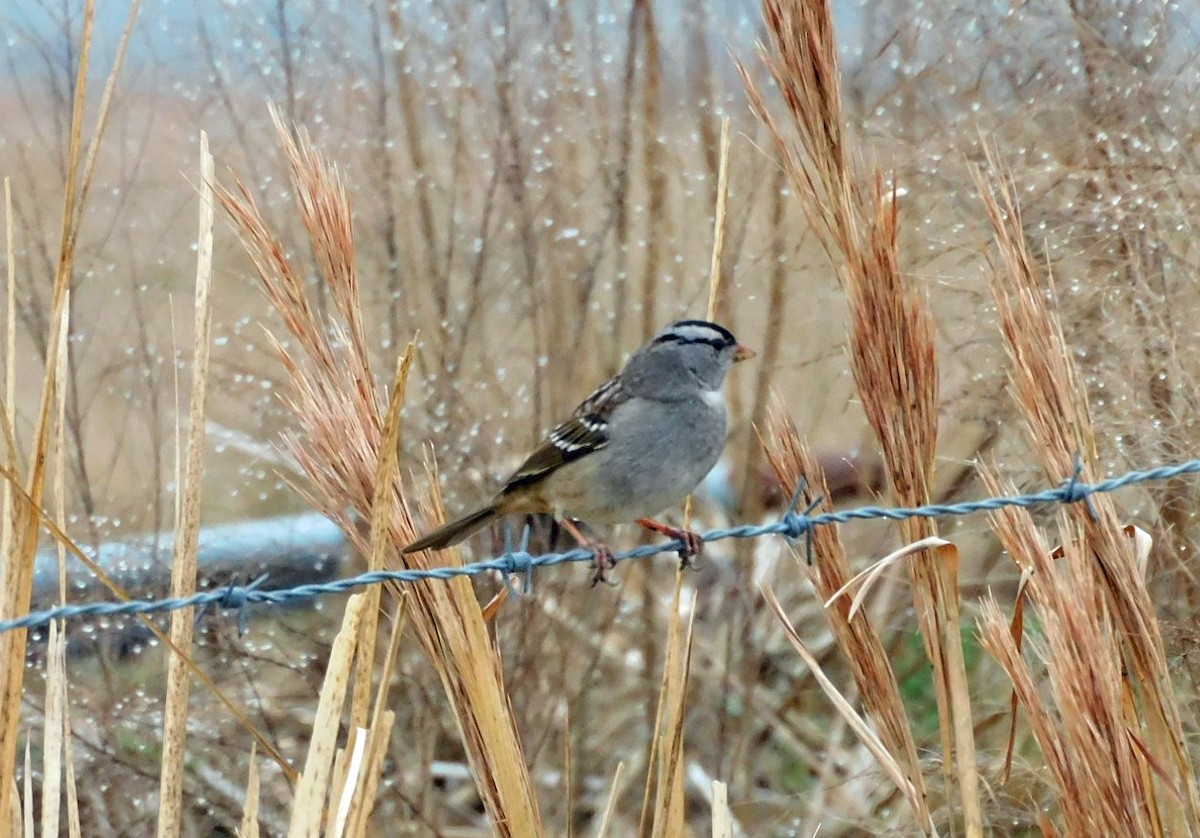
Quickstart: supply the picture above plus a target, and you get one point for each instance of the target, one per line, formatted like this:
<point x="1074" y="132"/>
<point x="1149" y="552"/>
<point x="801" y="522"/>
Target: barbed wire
<point x="793" y="524"/>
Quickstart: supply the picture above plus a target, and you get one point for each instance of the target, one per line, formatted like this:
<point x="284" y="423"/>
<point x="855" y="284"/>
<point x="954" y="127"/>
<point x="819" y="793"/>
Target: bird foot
<point x="603" y="562"/>
<point x="692" y="542"/>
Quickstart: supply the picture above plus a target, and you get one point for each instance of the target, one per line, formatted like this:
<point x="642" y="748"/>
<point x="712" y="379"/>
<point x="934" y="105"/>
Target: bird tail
<point x="453" y="532"/>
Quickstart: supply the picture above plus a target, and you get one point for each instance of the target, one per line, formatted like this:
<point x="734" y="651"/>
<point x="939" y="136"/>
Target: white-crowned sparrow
<point x="637" y="445"/>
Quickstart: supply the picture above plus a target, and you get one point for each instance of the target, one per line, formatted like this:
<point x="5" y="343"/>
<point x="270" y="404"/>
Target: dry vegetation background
<point x="531" y="187"/>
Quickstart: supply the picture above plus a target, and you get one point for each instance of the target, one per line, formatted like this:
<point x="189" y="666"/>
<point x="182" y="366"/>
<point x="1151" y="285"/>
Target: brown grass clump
<point x="1086" y="641"/>
<point x="342" y="412"/>
<point x="1083" y="731"/>
<point x="859" y="639"/>
<point x="891" y="335"/>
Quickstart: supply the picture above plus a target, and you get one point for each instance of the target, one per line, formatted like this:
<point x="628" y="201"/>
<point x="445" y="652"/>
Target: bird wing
<point x="586" y="431"/>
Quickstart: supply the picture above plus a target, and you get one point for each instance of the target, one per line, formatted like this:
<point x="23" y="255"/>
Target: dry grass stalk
<point x="54" y="719"/>
<point x="8" y="415"/>
<point x="16" y="570"/>
<point x="314" y="782"/>
<point x="654" y="157"/>
<point x="613" y="793"/>
<point x="568" y="781"/>
<point x="187" y="522"/>
<point x="55" y="729"/>
<point x="353" y="808"/>
<point x="622" y="166"/>
<point x="250" y="808"/>
<point x="1049" y="393"/>
<point x="380" y="730"/>
<point x="56" y="745"/>
<point x="1021" y="540"/>
<point x="26" y="517"/>
<point x="338" y="779"/>
<point x="340" y="409"/>
<point x="382" y="509"/>
<point x="342" y="782"/>
<point x="892" y="339"/>
<point x="666" y="750"/>
<point x="8" y="523"/>
<point x="56" y="732"/>
<point x="74" y="825"/>
<point x="862" y="582"/>
<point x="347" y="771"/>
<point x="67" y="256"/>
<point x="356" y="774"/>
<point x="722" y="817"/>
<point x="27" y="803"/>
<point x="10" y="301"/>
<point x="804" y="66"/>
<point x="719" y="224"/>
<point x="793" y="462"/>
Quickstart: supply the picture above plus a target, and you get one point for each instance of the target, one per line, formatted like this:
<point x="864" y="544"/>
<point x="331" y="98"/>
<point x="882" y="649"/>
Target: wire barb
<point x="795" y="523"/>
<point x="517" y="561"/>
<point x="1074" y="490"/>
<point x="232" y="597"/>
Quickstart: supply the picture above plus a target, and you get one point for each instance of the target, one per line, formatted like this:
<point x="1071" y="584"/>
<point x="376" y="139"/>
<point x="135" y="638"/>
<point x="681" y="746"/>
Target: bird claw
<point x="603" y="562"/>
<point x="692" y="545"/>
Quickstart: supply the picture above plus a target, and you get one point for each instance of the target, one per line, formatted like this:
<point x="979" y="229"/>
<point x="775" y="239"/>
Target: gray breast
<point x="659" y="452"/>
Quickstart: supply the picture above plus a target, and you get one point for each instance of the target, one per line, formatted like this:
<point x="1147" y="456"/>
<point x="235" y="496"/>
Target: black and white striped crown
<point x="695" y="332"/>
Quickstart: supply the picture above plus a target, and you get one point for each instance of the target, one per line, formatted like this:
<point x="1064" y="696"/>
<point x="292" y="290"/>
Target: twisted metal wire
<point x="793" y="524"/>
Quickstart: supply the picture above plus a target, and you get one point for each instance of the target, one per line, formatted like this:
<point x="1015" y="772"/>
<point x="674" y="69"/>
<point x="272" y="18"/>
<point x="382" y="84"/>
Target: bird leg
<point x="692" y="542"/>
<point x="602" y="561"/>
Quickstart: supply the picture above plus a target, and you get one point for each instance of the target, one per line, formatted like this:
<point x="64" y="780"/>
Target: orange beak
<point x="743" y="353"/>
